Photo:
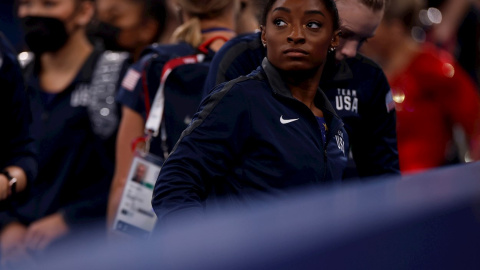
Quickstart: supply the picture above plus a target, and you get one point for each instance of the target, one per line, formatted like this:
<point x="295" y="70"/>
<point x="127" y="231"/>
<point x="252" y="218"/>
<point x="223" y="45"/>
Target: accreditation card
<point x="135" y="215"/>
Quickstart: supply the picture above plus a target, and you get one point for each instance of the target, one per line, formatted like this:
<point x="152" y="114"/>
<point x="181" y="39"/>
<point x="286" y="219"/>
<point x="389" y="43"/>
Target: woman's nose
<point x="297" y="34"/>
<point x="349" y="48"/>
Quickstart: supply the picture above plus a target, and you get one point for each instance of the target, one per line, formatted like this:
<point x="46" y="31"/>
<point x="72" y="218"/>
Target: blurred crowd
<point x="97" y="95"/>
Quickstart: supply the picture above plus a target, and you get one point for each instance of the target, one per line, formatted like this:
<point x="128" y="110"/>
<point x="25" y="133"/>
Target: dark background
<point x="10" y="25"/>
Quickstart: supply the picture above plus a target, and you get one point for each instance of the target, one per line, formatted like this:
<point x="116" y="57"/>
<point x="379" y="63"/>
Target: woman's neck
<point x="225" y="26"/>
<point x="58" y="69"/>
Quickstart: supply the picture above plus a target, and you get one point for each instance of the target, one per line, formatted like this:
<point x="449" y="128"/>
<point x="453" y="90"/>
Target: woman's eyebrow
<point x="306" y="12"/>
<point x="281" y="9"/>
<point x="314" y="12"/>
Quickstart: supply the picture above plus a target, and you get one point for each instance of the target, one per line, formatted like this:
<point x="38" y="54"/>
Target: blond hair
<point x="190" y="31"/>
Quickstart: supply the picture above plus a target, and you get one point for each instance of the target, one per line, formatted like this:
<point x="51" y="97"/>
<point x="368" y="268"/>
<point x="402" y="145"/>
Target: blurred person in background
<point x="132" y="26"/>
<point x="126" y="25"/>
<point x="432" y="93"/>
<point x="207" y="24"/>
<point x="18" y="164"/>
<point x="454" y="25"/>
<point x="354" y="84"/>
<point x="70" y="87"/>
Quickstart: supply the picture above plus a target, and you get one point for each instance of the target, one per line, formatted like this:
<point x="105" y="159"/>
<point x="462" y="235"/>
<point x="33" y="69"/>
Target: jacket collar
<point x="279" y="87"/>
<point x="275" y="80"/>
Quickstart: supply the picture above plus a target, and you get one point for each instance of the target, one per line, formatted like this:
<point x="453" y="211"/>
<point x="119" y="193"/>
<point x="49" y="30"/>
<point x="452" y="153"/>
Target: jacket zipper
<point x="325" y="159"/>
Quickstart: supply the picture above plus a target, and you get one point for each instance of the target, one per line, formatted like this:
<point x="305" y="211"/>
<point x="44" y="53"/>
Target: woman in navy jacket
<point x="265" y="133"/>
<point x="18" y="163"/>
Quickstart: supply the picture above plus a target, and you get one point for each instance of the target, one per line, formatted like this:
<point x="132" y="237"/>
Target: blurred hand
<point x="12" y="245"/>
<point x="43" y="232"/>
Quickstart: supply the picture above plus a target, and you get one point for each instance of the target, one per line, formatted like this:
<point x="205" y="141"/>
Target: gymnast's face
<point x="298" y="34"/>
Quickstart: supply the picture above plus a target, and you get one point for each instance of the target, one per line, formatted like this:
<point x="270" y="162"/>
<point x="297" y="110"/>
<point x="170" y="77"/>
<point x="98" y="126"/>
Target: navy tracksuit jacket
<point x="250" y="138"/>
<point x="17" y="147"/>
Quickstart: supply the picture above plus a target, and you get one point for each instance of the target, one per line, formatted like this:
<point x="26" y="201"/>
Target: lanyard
<point x="153" y="125"/>
<point x="155" y="116"/>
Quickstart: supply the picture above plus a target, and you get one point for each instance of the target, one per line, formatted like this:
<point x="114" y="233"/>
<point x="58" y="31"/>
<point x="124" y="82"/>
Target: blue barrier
<point x="424" y="221"/>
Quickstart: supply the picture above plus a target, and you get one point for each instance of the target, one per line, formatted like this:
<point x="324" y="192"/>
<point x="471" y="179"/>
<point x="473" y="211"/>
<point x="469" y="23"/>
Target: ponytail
<point x="189" y="32"/>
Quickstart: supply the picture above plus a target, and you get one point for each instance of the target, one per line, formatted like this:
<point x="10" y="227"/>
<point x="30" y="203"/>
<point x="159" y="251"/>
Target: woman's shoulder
<point x="167" y="51"/>
<point x="237" y="95"/>
<point x="155" y="56"/>
<point x="250" y="84"/>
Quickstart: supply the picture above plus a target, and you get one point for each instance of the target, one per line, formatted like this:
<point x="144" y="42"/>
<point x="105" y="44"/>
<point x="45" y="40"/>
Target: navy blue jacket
<point x="238" y="149"/>
<point x="16" y="144"/>
<point x="357" y="89"/>
<point x="183" y="89"/>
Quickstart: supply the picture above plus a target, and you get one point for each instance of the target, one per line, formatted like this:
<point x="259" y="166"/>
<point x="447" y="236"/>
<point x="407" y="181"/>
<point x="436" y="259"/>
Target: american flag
<point x="130" y="80"/>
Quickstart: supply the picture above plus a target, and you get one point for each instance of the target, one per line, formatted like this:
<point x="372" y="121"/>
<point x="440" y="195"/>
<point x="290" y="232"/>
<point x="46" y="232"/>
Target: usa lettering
<point x="346" y="100"/>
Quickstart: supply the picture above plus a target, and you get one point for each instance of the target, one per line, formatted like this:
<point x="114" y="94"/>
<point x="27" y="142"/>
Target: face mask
<point x="44" y="34"/>
<point x="108" y="34"/>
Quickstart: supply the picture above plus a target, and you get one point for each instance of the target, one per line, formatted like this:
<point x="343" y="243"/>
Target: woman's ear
<point x="85" y="13"/>
<point x="336" y="39"/>
<point x="264" y="40"/>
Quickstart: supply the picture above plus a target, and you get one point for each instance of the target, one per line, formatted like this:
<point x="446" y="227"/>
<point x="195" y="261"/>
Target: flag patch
<point x="130" y="80"/>
<point x="389" y="101"/>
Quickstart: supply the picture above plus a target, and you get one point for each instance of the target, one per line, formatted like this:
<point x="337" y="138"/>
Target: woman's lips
<point x="295" y="52"/>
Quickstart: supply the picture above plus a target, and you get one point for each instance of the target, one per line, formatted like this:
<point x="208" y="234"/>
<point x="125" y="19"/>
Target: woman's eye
<point x="313" y="25"/>
<point x="279" y="22"/>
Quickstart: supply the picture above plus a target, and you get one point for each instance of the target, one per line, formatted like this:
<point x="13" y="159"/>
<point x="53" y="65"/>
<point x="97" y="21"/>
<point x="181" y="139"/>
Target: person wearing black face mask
<point x="125" y="25"/>
<point x="44" y="34"/>
<point x="71" y="87"/>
